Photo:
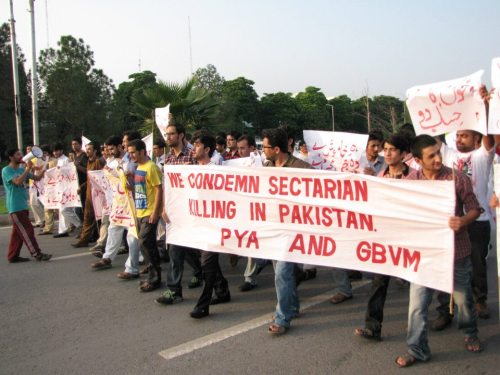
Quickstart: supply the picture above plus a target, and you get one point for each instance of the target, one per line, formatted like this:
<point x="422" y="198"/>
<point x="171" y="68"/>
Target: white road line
<point x="238" y="329"/>
<point x="72" y="256"/>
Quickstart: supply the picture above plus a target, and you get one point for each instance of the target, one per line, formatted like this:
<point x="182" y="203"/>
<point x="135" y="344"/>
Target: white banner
<point x="386" y="226"/>
<point x="254" y="160"/>
<point x="494" y="111"/>
<point x="443" y="107"/>
<point x="102" y="193"/>
<point x="335" y="151"/>
<point x="61" y="187"/>
<point x="162" y="117"/>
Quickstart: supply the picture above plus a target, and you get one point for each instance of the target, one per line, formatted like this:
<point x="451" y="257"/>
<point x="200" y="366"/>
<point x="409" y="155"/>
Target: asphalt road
<point x="60" y="317"/>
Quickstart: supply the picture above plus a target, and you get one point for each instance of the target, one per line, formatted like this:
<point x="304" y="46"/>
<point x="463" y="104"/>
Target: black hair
<point x="180" y="129"/>
<point x="220" y="140"/>
<point x="235" y="134"/>
<point x="399" y="141"/>
<point x="57" y="147"/>
<point x="250" y="140"/>
<point x="207" y="140"/>
<point x="77" y="139"/>
<point x="138" y="144"/>
<point x="277" y="138"/>
<point x="375" y="135"/>
<point x="421" y="142"/>
<point x="131" y="135"/>
<point x="114" y="140"/>
<point x="45" y="148"/>
<point x="160" y="143"/>
<point x="11" y="152"/>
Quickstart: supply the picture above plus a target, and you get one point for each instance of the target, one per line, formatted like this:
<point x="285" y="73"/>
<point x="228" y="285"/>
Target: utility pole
<point x="34" y="77"/>
<point x="17" y="101"/>
<point x="333" y="116"/>
<point x="368" y="119"/>
<point x="393" y="119"/>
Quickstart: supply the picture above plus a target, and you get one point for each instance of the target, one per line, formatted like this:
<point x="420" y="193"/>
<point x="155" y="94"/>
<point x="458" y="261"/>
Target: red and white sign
<point x="61" y="188"/>
<point x="102" y="193"/>
<point x="122" y="207"/>
<point x="335" y="151"/>
<point x="443" y="107"/>
<point x="392" y="227"/>
<point x="494" y="111"/>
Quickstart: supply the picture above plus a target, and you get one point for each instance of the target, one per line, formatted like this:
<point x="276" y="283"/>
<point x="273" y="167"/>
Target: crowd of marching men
<point x="400" y="156"/>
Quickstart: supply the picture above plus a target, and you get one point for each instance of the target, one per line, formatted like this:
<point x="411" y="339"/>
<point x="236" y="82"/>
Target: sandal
<point x="368" y="334"/>
<point x="276" y="329"/>
<point x="473" y="345"/>
<point x="405" y="360"/>
<point x="149" y="287"/>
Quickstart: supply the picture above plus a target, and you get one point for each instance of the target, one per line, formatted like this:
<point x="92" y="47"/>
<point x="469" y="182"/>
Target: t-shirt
<point x="146" y="177"/>
<point x="477" y="165"/>
<point x="17" y="196"/>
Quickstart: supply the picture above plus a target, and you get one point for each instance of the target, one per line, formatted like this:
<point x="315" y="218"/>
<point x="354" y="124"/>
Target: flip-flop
<point x="276" y="329"/>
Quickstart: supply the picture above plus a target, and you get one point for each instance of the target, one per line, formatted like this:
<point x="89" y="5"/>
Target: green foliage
<point x="194" y="107"/>
<point x="76" y="97"/>
<point x="314" y="112"/>
<point x="209" y="79"/>
<point x="279" y="109"/>
<point x="123" y="109"/>
<point x="239" y="102"/>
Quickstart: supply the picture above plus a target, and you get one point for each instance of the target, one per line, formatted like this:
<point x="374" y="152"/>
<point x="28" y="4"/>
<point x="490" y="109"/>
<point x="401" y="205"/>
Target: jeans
<point x="214" y="280"/>
<point x="420" y="299"/>
<point x="113" y="243"/>
<point x="341" y="282"/>
<point x="177" y="256"/>
<point x="375" y="310"/>
<point x="286" y="292"/>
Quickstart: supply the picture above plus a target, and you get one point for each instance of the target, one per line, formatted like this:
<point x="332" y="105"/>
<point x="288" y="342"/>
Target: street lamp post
<point x="333" y="117"/>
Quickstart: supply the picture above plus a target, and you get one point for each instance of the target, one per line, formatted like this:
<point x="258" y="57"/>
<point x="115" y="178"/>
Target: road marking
<point x="72" y="256"/>
<point x="238" y="329"/>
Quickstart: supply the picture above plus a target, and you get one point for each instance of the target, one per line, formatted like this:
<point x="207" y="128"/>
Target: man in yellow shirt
<point x="148" y="204"/>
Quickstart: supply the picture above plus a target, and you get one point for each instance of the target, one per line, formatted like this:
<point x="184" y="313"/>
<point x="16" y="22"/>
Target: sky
<point x="351" y="47"/>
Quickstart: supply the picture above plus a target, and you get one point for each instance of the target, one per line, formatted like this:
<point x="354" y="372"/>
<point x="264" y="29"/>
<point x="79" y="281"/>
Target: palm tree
<point x="193" y="107"/>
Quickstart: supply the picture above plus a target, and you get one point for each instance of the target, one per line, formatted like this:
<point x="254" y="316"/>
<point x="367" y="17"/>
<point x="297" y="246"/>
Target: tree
<point x="314" y="112"/>
<point x="279" y="109"/>
<point x="191" y="106"/>
<point x="123" y="109"/>
<point x="239" y="102"/>
<point x="7" y="106"/>
<point x="209" y="79"/>
<point x="343" y="113"/>
<point x="76" y="96"/>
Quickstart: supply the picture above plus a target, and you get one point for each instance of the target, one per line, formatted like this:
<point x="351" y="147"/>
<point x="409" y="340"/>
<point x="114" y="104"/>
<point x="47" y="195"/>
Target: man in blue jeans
<point x="426" y="152"/>
<point x="275" y="146"/>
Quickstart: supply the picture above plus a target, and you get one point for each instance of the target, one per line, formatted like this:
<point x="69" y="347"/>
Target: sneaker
<point x="43" y="257"/>
<point x="61" y="235"/>
<point x="19" y="259"/>
<point x="103" y="264"/>
<point x="168" y="298"/>
<point x="194" y="283"/>
<point x="97" y="254"/>
<point x="441" y="322"/>
<point x="246" y="286"/>
<point x="482" y="310"/>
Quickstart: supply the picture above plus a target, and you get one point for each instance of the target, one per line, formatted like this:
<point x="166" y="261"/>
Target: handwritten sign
<point x="122" y="207"/>
<point x="494" y="112"/>
<point x="102" y="193"/>
<point x="316" y="217"/>
<point x="448" y="106"/>
<point x="61" y="188"/>
<point x="335" y="151"/>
